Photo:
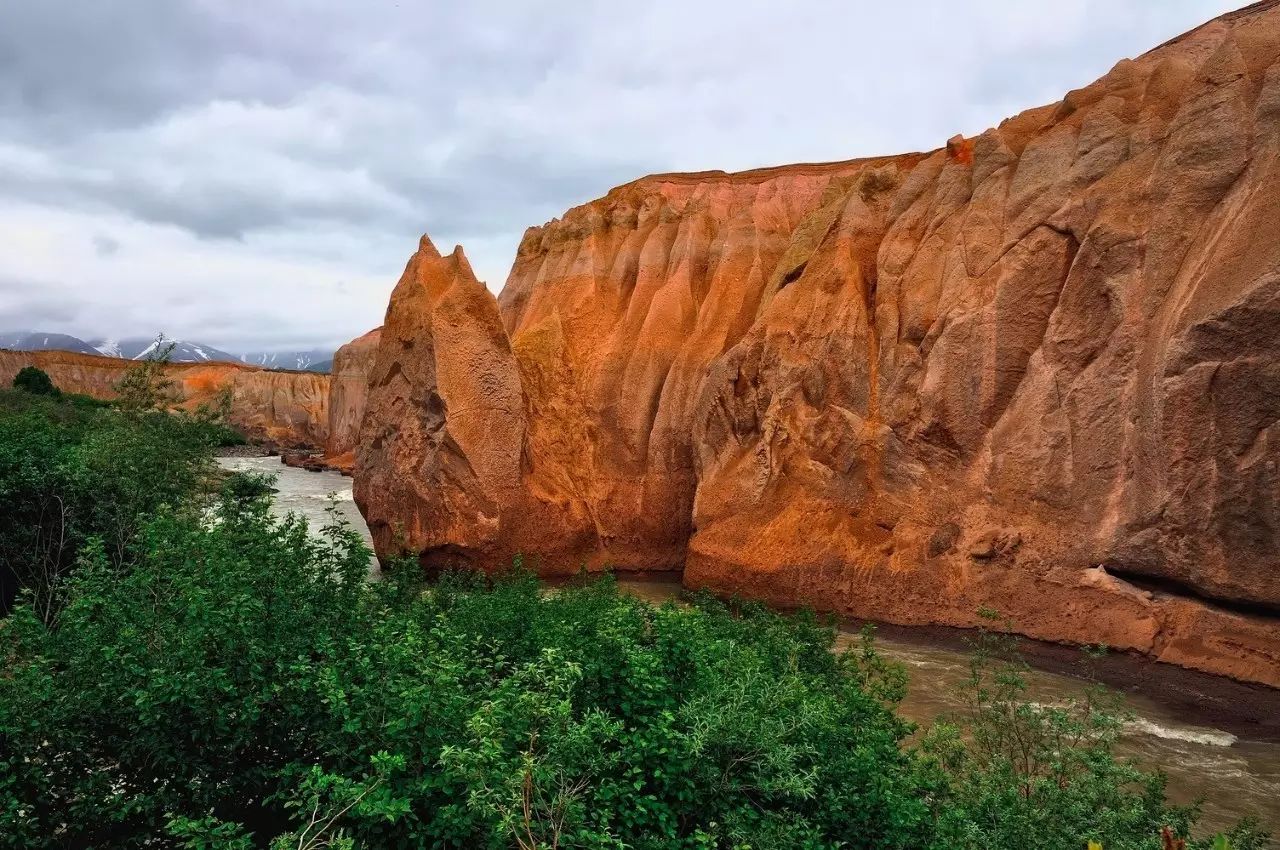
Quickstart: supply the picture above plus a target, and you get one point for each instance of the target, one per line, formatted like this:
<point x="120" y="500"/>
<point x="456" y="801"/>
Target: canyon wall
<point x="1037" y="370"/>
<point x="348" y="393"/>
<point x="285" y="408"/>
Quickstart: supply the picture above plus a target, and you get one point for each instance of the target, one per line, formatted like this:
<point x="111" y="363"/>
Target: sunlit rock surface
<point x="1037" y="370"/>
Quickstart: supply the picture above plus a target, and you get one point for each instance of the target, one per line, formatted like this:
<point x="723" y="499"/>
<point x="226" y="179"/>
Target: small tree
<point x="146" y="386"/>
<point x="35" y="381"/>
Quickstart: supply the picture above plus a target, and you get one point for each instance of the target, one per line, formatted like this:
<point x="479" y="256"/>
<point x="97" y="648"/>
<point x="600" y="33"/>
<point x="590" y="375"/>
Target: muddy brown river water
<point x="1217" y="740"/>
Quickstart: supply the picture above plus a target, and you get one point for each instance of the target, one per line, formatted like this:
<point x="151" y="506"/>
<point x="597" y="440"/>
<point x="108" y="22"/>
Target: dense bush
<point x="237" y="666"/>
<point x="34" y="380"/>
<point x="215" y="678"/>
<point x="71" y="472"/>
<point x="241" y="681"/>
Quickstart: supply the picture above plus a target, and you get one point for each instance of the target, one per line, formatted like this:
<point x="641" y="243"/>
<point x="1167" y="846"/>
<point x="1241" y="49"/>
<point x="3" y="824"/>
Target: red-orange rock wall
<point x="348" y="395"/>
<point x="1037" y="370"/>
<point x="287" y="408"/>
<point x="438" y="461"/>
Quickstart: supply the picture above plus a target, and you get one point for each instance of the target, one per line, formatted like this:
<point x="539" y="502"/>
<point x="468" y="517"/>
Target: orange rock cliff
<point x="286" y="408"/>
<point x="348" y="392"/>
<point x="1037" y="370"/>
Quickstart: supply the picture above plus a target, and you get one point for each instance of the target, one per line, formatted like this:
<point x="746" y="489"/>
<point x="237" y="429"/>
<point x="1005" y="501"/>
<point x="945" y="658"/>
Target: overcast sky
<point x="256" y="174"/>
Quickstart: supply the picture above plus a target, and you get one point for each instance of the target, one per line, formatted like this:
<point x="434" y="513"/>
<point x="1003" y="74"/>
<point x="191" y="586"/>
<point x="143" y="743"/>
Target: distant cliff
<point x="348" y="393"/>
<point x="286" y="408"/>
<point x="1037" y="370"/>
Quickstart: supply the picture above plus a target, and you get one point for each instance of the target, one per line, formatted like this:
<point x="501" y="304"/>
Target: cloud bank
<point x="256" y="175"/>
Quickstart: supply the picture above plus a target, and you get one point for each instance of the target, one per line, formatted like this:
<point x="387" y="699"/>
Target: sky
<point x="254" y="175"/>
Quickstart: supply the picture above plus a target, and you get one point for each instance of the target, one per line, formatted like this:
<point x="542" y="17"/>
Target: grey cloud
<point x="479" y="189"/>
<point x="31" y="305"/>
<point x="102" y="107"/>
<point x="104" y="245"/>
<point x="104" y="65"/>
<point x="83" y="65"/>
<point x="325" y="132"/>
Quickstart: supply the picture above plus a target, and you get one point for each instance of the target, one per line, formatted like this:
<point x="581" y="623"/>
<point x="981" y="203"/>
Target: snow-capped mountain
<point x="183" y="351"/>
<point x="42" y="341"/>
<point x="307" y="359"/>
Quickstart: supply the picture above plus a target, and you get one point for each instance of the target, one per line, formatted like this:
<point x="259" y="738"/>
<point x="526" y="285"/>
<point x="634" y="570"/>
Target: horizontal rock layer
<point x="1037" y="370"/>
<point x="285" y="408"/>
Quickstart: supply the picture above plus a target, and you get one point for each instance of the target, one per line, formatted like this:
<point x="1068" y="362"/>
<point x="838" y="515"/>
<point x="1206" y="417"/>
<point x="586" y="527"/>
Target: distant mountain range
<point x="184" y="351"/>
<point x="308" y="360"/>
<point x="39" y="341"/>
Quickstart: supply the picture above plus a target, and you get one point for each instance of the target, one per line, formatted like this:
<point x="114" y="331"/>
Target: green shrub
<point x="72" y="472"/>
<point x="247" y="486"/>
<point x="187" y="671"/>
<point x="1016" y="769"/>
<point x="241" y="683"/>
<point x="224" y="436"/>
<point x="147" y="385"/>
<point x="85" y="401"/>
<point x="34" y="380"/>
<point x="236" y="662"/>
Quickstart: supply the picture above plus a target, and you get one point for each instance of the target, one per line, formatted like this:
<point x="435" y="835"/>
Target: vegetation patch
<point x="196" y="673"/>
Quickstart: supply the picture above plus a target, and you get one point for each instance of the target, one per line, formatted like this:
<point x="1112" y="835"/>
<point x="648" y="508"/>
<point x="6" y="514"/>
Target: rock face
<point x="286" y="408"/>
<point x="348" y="393"/>
<point x="440" y="451"/>
<point x="1037" y="370"/>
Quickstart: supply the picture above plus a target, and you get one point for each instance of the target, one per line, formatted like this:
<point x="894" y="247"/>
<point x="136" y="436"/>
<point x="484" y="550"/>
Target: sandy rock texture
<point x="348" y="394"/>
<point x="286" y="408"/>
<point x="1036" y="370"/>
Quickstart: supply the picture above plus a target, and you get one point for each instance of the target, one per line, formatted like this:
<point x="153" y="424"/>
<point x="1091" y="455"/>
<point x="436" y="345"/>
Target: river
<point x="307" y="493"/>
<point x="1224" y="757"/>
